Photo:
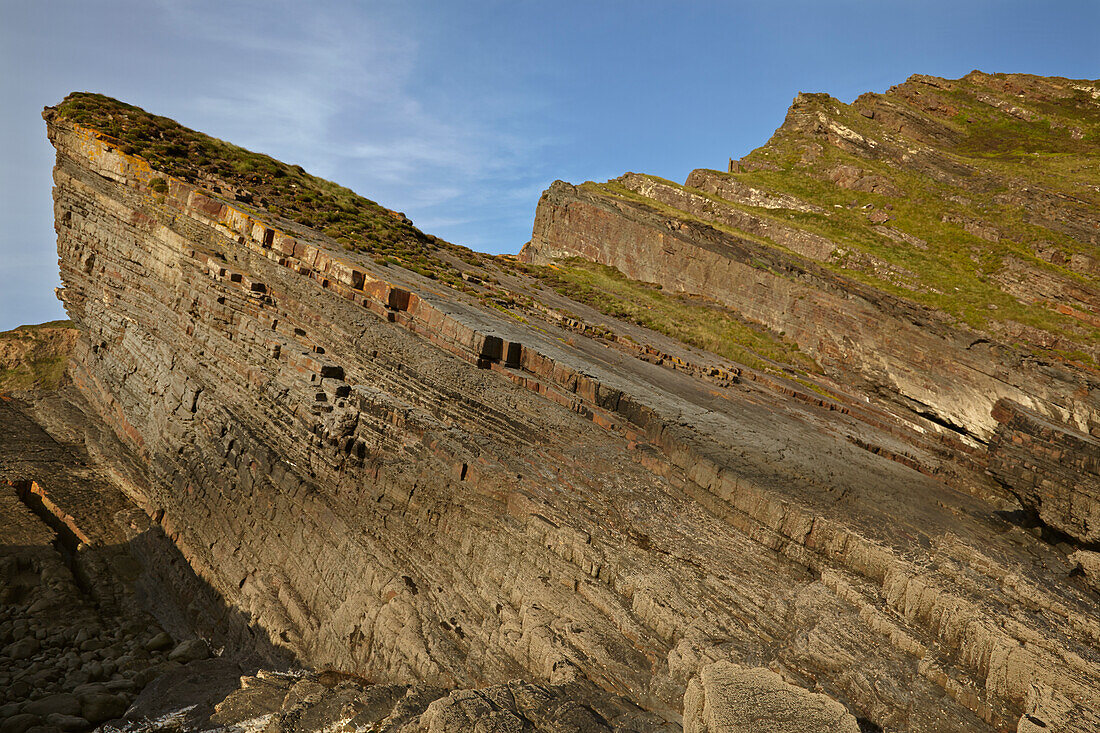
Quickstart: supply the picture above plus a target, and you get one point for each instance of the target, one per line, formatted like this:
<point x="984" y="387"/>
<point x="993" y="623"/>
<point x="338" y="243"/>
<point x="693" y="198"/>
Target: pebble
<point x="94" y="670"/>
<point x="22" y="649"/>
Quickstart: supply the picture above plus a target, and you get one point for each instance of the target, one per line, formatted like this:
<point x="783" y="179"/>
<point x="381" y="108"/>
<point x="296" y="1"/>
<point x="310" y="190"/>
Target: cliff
<point x="409" y="463"/>
<point x="934" y="246"/>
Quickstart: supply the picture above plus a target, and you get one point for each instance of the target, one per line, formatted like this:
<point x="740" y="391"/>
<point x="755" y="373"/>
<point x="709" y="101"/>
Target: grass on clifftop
<point x="965" y="208"/>
<point x="360" y="224"/>
<point x="259" y="180"/>
<point x="35" y="357"/>
<point x="694" y="322"/>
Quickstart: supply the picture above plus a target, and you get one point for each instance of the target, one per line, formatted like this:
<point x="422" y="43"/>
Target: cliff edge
<point x="521" y="496"/>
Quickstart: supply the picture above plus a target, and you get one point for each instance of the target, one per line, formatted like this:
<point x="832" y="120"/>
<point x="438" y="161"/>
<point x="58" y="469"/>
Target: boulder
<point x="23" y="648"/>
<point x="97" y="707"/>
<point x="19" y="723"/>
<point x="189" y="651"/>
<point x="728" y="698"/>
<point x="160" y="642"/>
<point x="63" y="703"/>
<point x="68" y="722"/>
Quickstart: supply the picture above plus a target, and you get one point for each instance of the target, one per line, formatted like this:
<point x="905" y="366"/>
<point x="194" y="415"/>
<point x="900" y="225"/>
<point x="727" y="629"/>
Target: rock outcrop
<point x="846" y="284"/>
<point x="726" y="697"/>
<point x="953" y="282"/>
<point x="451" y="477"/>
<point x="1053" y="469"/>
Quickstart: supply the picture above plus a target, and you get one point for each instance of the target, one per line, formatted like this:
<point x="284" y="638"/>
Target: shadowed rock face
<point x="95" y="603"/>
<point x="392" y="480"/>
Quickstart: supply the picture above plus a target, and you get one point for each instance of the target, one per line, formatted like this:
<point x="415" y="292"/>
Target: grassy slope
<point x="362" y="225"/>
<point x="699" y="324"/>
<point x="35" y="357"/>
<point x="957" y="265"/>
<point x="1057" y="150"/>
<point x="261" y="181"/>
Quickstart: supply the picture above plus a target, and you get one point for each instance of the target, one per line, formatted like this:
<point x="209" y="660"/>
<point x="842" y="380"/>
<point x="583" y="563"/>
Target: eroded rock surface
<point x="729" y="698"/>
<point x="300" y="703"/>
<point x="520" y="515"/>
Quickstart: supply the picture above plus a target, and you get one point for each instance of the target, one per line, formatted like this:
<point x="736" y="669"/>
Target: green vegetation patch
<point x="35" y="357"/>
<point x="357" y="223"/>
<point x="703" y="325"/>
<point x="956" y="268"/>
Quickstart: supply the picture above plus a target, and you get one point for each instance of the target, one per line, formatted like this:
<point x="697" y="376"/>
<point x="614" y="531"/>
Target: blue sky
<point x="461" y="113"/>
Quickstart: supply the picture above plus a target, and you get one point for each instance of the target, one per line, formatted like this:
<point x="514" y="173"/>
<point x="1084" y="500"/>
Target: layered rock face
<point x="392" y="480"/>
<point x="1055" y="470"/>
<point x="947" y="259"/>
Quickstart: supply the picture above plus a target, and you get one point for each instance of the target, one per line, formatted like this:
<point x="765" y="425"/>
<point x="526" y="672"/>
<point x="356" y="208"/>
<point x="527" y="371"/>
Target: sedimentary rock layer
<point x="395" y="481"/>
<point x="962" y="274"/>
<point x="946" y="260"/>
<point x="950" y="375"/>
<point x="1054" y="470"/>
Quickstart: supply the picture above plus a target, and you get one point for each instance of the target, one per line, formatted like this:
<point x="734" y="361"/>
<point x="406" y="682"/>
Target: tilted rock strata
<point x="324" y="452"/>
<point x="1054" y="470"/>
<point x="995" y="173"/>
<point x="1025" y="222"/>
<point x="948" y="375"/>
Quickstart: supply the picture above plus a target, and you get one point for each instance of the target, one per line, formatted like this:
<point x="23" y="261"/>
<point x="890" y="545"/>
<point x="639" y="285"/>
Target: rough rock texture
<point x="868" y="299"/>
<point x="1053" y="469"/>
<point x="389" y="479"/>
<point x="300" y="703"/>
<point x="950" y="376"/>
<point x="729" y="698"/>
<point x="877" y="292"/>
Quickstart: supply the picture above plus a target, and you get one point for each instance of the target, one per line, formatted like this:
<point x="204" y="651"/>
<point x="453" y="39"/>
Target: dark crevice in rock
<point x="67" y="542"/>
<point x="931" y="415"/>
<point x="1028" y="519"/>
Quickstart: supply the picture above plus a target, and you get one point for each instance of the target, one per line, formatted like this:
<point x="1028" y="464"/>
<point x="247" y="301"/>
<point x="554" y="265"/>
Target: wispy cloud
<point x="338" y="94"/>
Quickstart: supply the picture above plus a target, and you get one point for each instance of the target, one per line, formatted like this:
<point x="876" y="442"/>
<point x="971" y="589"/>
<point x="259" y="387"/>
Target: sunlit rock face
<point x="434" y="490"/>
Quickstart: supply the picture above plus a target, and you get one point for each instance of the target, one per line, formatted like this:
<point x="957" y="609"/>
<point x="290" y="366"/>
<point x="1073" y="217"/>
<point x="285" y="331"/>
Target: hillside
<point x="976" y="197"/>
<point x="35" y="357"/>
